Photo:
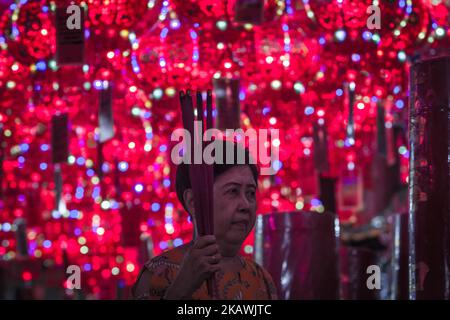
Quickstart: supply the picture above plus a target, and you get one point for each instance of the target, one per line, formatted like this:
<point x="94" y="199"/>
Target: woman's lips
<point x="240" y="224"/>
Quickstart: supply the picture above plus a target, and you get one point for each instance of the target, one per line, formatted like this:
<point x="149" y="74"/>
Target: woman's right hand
<point x="201" y="261"/>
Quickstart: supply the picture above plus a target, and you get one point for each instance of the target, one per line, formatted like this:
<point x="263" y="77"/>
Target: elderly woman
<point x="181" y="273"/>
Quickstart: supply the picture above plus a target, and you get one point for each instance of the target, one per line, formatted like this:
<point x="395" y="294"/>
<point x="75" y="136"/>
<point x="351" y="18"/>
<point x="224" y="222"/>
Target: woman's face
<point x="234" y="208"/>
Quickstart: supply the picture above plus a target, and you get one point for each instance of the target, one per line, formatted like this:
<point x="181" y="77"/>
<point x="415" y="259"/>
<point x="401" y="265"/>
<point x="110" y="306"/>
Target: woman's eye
<point x="251" y="194"/>
<point x="233" y="191"/>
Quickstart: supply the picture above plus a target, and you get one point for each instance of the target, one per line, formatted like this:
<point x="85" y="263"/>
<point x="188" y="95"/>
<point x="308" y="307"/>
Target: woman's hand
<point x="200" y="262"/>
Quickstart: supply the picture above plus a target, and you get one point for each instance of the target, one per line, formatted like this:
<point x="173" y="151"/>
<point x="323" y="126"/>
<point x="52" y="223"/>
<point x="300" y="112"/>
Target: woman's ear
<point x="188" y="198"/>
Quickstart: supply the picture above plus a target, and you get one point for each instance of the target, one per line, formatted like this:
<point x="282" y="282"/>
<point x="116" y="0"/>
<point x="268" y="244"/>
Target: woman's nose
<point x="244" y="202"/>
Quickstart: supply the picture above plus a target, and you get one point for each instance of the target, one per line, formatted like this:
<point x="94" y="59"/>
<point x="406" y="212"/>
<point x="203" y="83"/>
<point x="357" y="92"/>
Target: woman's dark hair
<point x="183" y="180"/>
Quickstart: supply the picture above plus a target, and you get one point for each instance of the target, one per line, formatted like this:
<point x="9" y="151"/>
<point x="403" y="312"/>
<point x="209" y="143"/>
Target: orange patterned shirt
<point x="251" y="282"/>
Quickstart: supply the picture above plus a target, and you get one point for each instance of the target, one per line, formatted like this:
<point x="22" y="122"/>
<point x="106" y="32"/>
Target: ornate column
<point x="429" y="193"/>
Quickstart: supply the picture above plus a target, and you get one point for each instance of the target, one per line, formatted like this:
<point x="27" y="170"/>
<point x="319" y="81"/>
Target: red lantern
<point x="355" y="16"/>
<point x="31" y="37"/>
<point x="115" y="15"/>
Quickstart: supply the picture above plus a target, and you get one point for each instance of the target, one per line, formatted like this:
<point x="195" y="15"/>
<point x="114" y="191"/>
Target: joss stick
<point x="209" y="168"/>
<point x="210" y="184"/>
<point x="201" y="175"/>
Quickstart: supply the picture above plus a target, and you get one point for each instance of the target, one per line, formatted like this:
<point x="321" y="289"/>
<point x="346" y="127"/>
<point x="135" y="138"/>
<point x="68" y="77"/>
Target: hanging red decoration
<point x="30" y="32"/>
<point x="119" y="14"/>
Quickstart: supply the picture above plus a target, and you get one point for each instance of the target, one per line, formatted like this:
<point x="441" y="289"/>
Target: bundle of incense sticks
<point x="201" y="175"/>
